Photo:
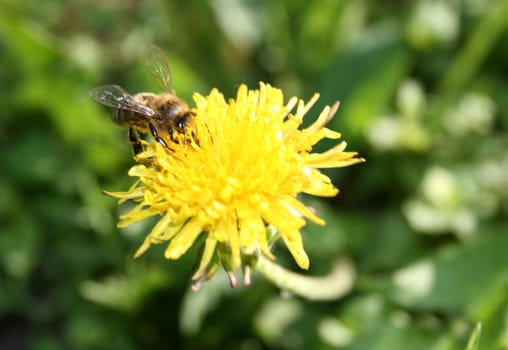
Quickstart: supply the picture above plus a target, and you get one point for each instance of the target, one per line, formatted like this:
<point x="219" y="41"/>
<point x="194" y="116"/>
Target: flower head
<point x="238" y="173"/>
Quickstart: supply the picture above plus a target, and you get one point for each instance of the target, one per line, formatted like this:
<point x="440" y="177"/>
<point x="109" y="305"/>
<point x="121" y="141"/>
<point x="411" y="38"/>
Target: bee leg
<point x="170" y="132"/>
<point x="156" y="136"/>
<point x="137" y="147"/>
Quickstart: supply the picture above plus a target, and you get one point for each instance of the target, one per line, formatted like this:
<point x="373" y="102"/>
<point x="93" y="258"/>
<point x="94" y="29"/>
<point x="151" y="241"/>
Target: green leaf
<point x="474" y="339"/>
<point x="458" y="277"/>
<point x="364" y="77"/>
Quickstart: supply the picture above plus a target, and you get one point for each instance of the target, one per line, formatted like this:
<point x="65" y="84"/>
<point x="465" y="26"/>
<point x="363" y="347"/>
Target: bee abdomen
<point x="122" y="117"/>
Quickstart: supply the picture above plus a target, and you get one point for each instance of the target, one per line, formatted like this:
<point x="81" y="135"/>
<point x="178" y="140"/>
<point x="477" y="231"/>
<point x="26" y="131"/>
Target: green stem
<point x="474" y="339"/>
<point x="335" y="285"/>
<point x="469" y="60"/>
<point x="478" y="46"/>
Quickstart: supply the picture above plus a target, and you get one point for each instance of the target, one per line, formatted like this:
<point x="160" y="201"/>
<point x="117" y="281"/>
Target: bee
<point x="161" y="115"/>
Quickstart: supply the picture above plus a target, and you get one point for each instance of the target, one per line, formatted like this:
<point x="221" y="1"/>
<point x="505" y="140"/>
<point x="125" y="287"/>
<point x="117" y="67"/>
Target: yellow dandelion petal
<point x="141" y="171"/>
<point x="156" y="232"/>
<point x="318" y="184"/>
<point x="139" y="213"/>
<point x="252" y="232"/>
<point x="293" y="241"/>
<point x="183" y="240"/>
<point x="134" y="194"/>
<point x="316" y="131"/>
<point x="236" y="170"/>
<point x="303" y="108"/>
<point x="324" y="117"/>
<point x="208" y="252"/>
<point x="283" y="217"/>
<point x="300" y="208"/>
<point x="333" y="158"/>
<point x="226" y="231"/>
<point x="234" y="242"/>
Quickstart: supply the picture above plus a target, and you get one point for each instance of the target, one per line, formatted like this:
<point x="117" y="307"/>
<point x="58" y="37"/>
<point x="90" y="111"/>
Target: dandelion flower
<point x="237" y="175"/>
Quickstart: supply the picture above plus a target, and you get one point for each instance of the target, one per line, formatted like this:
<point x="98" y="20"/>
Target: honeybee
<point x="160" y="115"/>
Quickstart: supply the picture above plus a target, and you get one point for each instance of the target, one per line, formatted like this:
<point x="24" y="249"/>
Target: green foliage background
<point x="424" y="93"/>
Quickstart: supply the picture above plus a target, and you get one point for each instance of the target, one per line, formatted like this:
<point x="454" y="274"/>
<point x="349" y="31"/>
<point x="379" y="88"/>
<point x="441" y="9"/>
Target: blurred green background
<point x="424" y="93"/>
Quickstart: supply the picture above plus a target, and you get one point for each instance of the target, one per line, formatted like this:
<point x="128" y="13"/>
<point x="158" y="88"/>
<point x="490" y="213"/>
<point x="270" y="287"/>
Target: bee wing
<point x="117" y="97"/>
<point x="156" y="62"/>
